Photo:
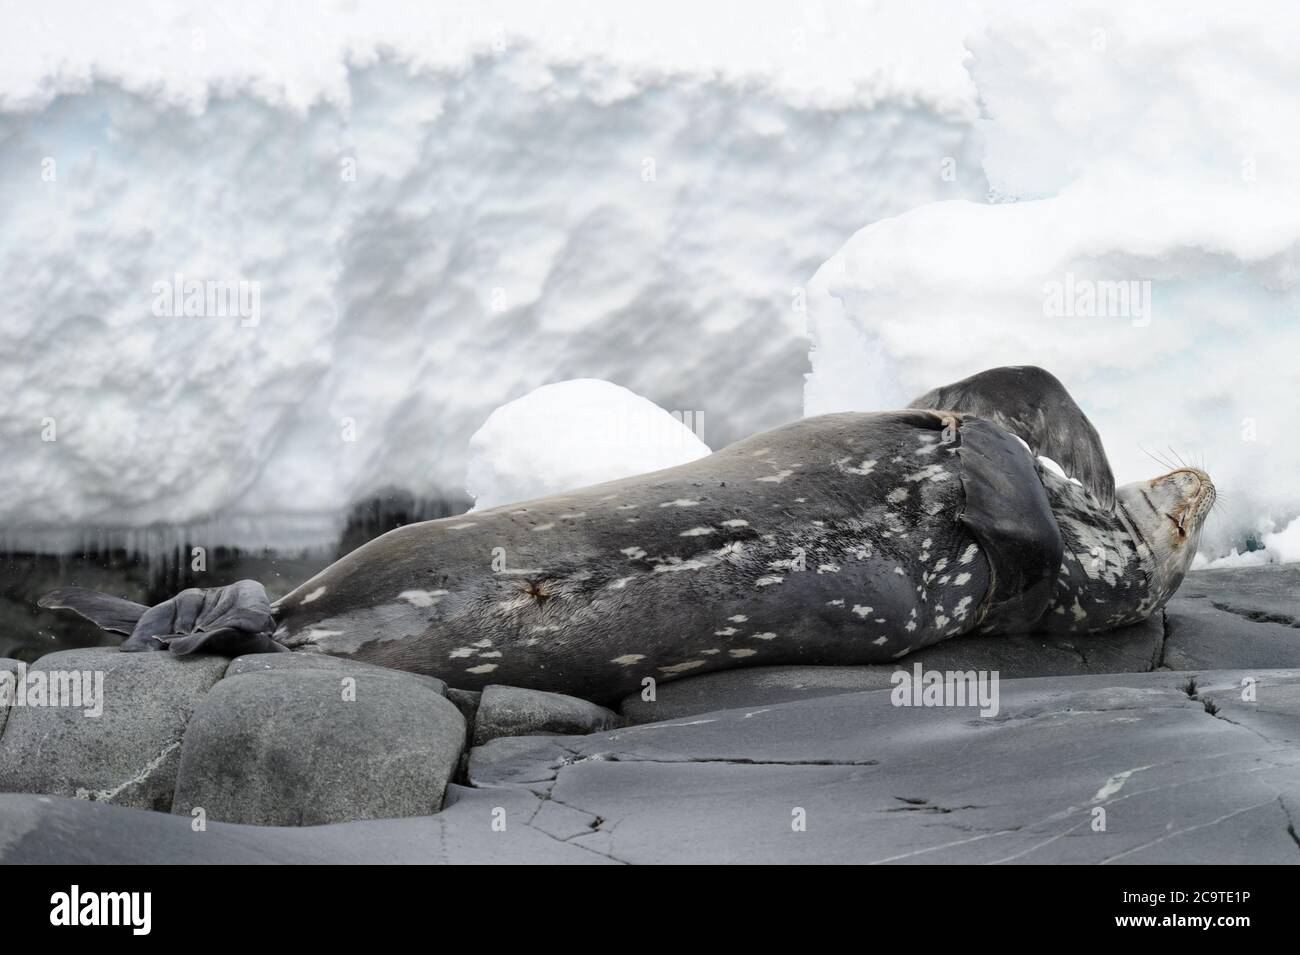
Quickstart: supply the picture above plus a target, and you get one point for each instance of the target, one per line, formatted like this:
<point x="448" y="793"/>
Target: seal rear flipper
<point x="1033" y="405"/>
<point x="106" y="612"/>
<point x="230" y="621"/>
<point x="1008" y="512"/>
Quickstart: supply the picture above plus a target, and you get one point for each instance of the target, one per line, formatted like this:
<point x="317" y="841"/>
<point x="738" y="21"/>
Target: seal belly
<point x="834" y="540"/>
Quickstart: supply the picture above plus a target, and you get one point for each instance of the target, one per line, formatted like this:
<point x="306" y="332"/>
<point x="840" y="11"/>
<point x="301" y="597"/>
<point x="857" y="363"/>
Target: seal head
<point x="1169" y="513"/>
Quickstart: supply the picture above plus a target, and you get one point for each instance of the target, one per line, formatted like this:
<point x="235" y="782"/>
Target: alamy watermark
<point x="924" y="687"/>
<point x="1090" y="298"/>
<point x="74" y="689"/>
<point x="191" y="298"/>
<point x="130" y="909"/>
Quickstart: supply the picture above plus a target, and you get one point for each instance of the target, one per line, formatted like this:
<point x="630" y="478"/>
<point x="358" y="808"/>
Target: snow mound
<point x="1145" y="246"/>
<point x="569" y="435"/>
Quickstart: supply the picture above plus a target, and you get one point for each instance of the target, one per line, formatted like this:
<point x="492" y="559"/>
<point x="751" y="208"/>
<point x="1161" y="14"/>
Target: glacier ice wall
<point x="441" y="210"/>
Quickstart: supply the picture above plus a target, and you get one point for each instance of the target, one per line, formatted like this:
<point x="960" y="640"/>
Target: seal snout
<point x="1191" y="494"/>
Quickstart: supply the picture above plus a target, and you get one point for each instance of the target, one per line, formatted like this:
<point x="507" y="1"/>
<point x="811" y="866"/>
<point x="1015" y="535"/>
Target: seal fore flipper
<point x="231" y="620"/>
<point x="1033" y="405"/>
<point x="1008" y="512"/>
<point x="106" y="612"/>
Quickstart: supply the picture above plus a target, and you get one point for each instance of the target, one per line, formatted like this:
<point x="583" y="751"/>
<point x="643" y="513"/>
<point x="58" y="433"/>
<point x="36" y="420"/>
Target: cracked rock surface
<point x="128" y="755"/>
<point x="1246" y="616"/>
<point x="1170" y="781"/>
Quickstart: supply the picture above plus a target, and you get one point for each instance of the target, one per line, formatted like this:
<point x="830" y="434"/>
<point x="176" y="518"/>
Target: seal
<point x="841" y="539"/>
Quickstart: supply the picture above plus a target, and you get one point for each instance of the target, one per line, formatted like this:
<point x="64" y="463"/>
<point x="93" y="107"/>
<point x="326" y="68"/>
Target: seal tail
<point x="231" y="620"/>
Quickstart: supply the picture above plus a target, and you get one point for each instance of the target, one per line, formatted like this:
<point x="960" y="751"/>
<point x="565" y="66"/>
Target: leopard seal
<point x="845" y="538"/>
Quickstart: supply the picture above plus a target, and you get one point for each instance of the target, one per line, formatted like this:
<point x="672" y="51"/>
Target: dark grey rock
<point x="276" y="662"/>
<point x="1239" y="617"/>
<point x="466" y="701"/>
<point x="511" y="711"/>
<point x="1133" y="649"/>
<point x="128" y="755"/>
<point x="14" y="669"/>
<point x="290" y="750"/>
<point x="874" y="783"/>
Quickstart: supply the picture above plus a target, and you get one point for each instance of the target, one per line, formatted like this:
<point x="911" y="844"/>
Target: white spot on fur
<point x="931" y="472"/>
<point x="969" y="553"/>
<point x="461" y="652"/>
<point x="725" y="632"/>
<point x="620" y="583"/>
<point x="836" y="603"/>
<point x="482" y="668"/>
<point x="738" y="618"/>
<point x="768" y="581"/>
<point x="543" y="527"/>
<point x="766" y="635"/>
<point x="778" y="477"/>
<point x="735" y="522"/>
<point x="962" y="579"/>
<point x="862" y="611"/>
<point x="632" y="553"/>
<point x="680" y="502"/>
<point x="742" y="653"/>
<point x="697" y="532"/>
<point x="460" y="527"/>
<point x="421" y="598"/>
<point x="880" y="641"/>
<point x="676" y="563"/>
<point x="682" y="667"/>
<point x="863" y="469"/>
<point x="628" y="659"/>
<point x="319" y="591"/>
<point x="897" y="496"/>
<point x="828" y="568"/>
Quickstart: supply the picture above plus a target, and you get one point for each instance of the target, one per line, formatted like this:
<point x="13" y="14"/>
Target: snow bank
<point x="1279" y="547"/>
<point x="569" y="435"/>
<point x="439" y="210"/>
<point x="1144" y="246"/>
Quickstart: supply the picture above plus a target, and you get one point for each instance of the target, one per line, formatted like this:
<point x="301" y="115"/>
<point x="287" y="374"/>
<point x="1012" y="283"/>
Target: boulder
<point x="511" y="711"/>
<point x="277" y="662"/>
<point x="14" y="669"/>
<point x="306" y="744"/>
<point x="127" y="755"/>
